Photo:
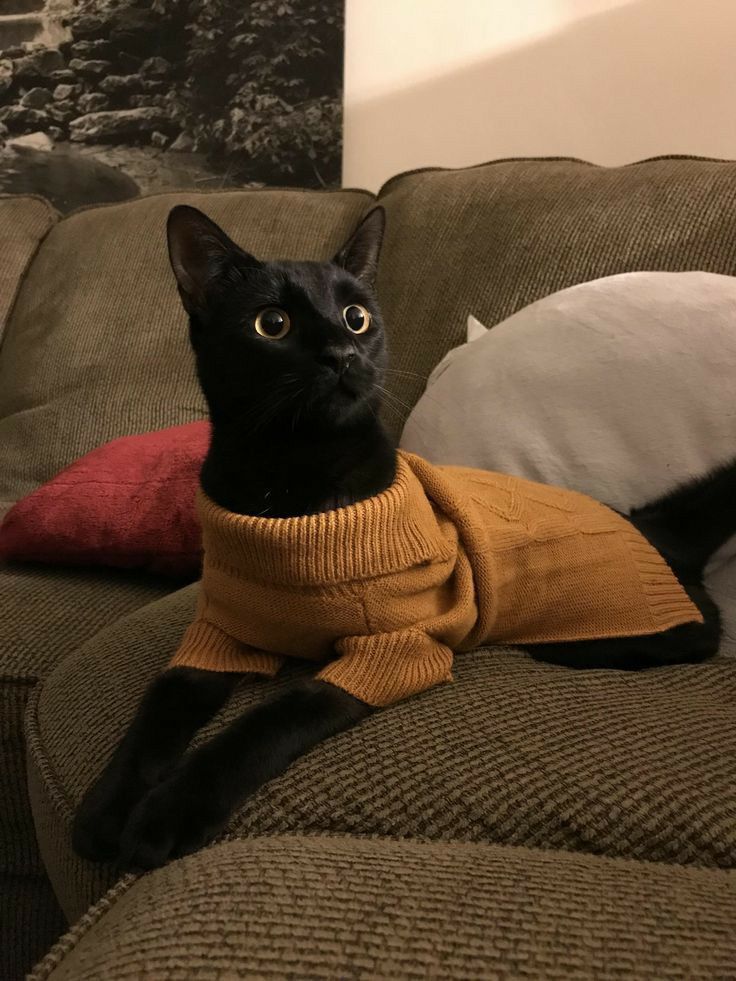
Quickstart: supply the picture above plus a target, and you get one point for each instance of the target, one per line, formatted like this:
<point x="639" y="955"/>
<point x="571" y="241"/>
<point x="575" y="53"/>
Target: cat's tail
<point x="691" y="522"/>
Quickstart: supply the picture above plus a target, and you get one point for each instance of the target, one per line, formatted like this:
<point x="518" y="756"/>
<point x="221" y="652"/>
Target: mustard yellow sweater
<point x="382" y="592"/>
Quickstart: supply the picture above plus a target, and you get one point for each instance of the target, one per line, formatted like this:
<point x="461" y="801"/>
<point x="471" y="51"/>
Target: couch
<point x="526" y="821"/>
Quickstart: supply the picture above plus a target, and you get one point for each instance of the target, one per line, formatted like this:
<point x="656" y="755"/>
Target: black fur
<point x="296" y="431"/>
<point x="195" y="803"/>
<point x="176" y="705"/>
<point x="688" y="525"/>
<point x="295" y="426"/>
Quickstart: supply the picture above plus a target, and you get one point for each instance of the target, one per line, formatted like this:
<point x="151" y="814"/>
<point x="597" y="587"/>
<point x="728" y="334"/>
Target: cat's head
<point x="281" y="343"/>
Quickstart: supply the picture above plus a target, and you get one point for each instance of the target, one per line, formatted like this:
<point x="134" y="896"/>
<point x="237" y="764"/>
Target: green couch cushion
<point x="354" y="908"/>
<point x="97" y="344"/>
<point x="491" y="239"/>
<point x="638" y="765"/>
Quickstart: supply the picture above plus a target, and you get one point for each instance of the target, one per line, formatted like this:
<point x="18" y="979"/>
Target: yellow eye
<point x="273" y="323"/>
<point x="356" y="318"/>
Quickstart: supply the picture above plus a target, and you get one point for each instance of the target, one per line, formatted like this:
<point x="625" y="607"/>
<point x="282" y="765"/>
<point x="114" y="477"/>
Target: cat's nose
<point x="337" y="359"/>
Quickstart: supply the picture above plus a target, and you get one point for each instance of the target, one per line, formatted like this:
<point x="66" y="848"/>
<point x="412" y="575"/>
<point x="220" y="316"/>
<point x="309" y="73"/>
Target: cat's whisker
<point x="299" y="408"/>
<point x="399" y="412"/>
<point x="275" y="405"/>
<point x="269" y="416"/>
<point x="413" y="374"/>
<point x="373" y="412"/>
<point x="425" y="395"/>
<point x="394" y="397"/>
<point x="388" y="404"/>
<point x="392" y="408"/>
<point x="272" y="404"/>
<point x="408" y="374"/>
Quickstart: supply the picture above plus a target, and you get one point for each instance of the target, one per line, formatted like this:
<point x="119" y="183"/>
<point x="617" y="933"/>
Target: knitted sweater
<point x="384" y="591"/>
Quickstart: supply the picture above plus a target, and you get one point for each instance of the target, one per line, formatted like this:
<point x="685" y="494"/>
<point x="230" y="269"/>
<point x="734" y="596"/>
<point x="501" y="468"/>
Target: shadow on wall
<point x="649" y="78"/>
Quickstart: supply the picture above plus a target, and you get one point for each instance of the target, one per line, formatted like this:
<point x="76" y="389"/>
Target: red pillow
<point x="129" y="504"/>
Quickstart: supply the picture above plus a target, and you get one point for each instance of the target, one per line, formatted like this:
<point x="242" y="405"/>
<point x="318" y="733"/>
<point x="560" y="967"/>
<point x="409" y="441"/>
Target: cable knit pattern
<point x="445" y="559"/>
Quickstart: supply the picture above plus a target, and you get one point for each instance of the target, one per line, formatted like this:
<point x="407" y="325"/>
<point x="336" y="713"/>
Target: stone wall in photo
<point x="104" y="99"/>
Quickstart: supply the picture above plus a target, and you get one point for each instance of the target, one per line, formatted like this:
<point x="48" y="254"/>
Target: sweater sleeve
<point x="208" y="648"/>
<point x="380" y="669"/>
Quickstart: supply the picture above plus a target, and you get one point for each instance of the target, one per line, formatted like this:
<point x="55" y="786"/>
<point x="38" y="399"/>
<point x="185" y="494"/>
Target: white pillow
<point x="621" y="388"/>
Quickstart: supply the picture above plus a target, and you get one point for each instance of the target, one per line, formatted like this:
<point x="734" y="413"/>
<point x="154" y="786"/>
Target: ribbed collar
<point x="394" y="530"/>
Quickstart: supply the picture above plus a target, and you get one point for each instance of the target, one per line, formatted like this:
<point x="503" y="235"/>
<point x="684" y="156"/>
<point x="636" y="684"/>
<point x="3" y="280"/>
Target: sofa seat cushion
<point x="638" y="765"/>
<point x="48" y="612"/>
<point x="349" y="907"/>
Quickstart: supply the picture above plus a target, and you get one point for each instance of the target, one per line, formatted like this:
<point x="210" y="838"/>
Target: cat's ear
<point x="201" y="254"/>
<point x="360" y="253"/>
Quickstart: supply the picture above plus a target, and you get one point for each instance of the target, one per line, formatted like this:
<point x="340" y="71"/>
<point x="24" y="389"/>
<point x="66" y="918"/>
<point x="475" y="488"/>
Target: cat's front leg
<point x="176" y="704"/>
<point x="194" y="804"/>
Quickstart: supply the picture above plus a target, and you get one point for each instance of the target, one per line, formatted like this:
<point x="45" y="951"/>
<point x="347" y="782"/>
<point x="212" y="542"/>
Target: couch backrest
<point x="96" y="346"/>
<point x="491" y="239"/>
<point x="23" y="223"/>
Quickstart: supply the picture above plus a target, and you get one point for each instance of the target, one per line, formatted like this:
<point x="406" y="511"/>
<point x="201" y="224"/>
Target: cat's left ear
<point x="360" y="253"/>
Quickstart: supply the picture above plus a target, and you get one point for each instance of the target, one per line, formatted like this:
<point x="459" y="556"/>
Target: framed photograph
<point x="102" y="100"/>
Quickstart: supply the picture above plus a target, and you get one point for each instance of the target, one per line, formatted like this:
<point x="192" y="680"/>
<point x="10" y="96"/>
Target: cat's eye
<point x="356" y="318"/>
<point x="273" y="323"/>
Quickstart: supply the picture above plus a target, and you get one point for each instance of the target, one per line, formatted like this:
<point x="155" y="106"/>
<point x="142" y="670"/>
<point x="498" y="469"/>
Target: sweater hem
<point x="669" y="604"/>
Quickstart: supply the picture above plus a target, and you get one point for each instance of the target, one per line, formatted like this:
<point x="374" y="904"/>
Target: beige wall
<point x="457" y="82"/>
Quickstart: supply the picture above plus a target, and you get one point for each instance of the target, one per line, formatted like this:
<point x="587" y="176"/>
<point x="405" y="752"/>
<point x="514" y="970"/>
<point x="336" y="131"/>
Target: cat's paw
<point x="104" y="811"/>
<point x="98" y="825"/>
<point x="169" y="822"/>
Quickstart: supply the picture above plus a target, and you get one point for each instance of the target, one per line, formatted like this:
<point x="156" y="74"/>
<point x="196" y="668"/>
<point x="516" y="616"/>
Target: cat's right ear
<point x="201" y="254"/>
<point x="360" y="253"/>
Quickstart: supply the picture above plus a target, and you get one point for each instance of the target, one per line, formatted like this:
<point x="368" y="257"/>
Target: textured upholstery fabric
<point x="491" y="239"/>
<point x="31" y="921"/>
<point x="97" y="345"/>
<point x="350" y="908"/>
<point x="515" y="752"/>
<point x="23" y="223"/>
<point x="44" y="615"/>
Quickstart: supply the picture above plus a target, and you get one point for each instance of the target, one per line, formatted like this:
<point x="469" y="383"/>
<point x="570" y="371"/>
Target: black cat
<point x="296" y="431"/>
